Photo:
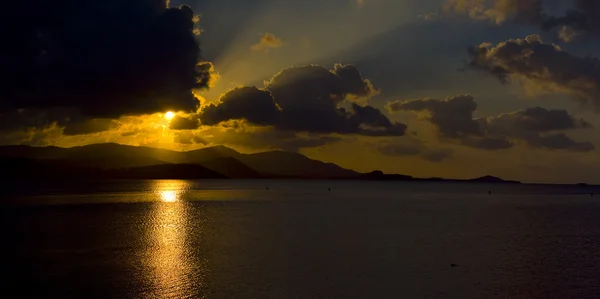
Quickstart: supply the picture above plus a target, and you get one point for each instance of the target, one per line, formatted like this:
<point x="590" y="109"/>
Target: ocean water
<point x="298" y="239"/>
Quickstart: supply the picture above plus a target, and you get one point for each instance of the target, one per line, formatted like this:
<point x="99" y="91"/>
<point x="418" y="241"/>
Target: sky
<point x="429" y="88"/>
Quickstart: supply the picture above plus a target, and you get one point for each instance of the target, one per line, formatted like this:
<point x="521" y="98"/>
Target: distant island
<point x="380" y="176"/>
<point x="116" y="161"/>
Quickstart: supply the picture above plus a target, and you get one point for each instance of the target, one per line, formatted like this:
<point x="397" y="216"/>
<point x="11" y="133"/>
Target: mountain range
<point x="110" y="160"/>
<point x="125" y="161"/>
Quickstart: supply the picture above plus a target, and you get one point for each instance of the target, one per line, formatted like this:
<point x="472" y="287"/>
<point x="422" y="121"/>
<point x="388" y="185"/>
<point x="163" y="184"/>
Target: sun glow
<point x="169" y="115"/>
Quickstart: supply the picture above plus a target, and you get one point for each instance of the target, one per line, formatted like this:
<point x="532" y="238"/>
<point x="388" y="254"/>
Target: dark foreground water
<point x="236" y="239"/>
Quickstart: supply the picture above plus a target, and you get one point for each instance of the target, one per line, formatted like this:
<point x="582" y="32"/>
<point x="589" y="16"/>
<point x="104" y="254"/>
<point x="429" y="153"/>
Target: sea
<point x="298" y="239"/>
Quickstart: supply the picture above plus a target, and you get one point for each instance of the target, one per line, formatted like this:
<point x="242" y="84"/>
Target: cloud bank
<point x="306" y="99"/>
<point x="537" y="127"/>
<point x="544" y="66"/>
<point x="582" y="17"/>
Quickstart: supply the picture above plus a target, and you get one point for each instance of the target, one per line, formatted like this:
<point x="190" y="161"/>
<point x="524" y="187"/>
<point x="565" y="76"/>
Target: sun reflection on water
<point x="171" y="190"/>
<point x="169" y="256"/>
<point x="168" y="196"/>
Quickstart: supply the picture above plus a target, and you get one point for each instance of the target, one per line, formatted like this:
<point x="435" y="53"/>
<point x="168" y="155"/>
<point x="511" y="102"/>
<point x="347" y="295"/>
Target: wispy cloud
<point x="267" y="41"/>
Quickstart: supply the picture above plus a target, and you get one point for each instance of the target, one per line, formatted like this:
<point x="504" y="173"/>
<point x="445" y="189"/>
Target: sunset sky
<point x="444" y="88"/>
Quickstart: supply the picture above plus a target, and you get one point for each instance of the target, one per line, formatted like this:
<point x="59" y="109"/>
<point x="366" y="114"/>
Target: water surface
<point x="297" y="239"/>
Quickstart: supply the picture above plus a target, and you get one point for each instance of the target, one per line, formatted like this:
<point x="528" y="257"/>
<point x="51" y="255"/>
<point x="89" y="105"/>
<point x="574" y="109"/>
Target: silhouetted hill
<point x="210" y="153"/>
<point x="294" y="165"/>
<point x="220" y="159"/>
<point x="166" y="171"/>
<point x="232" y="168"/>
<point x="123" y="155"/>
<point x="380" y="176"/>
<point x="28" y="152"/>
<point x="146" y="162"/>
<point x="22" y="168"/>
<point x="106" y="155"/>
<point x="110" y="161"/>
<point x="491" y="179"/>
<point x="273" y="163"/>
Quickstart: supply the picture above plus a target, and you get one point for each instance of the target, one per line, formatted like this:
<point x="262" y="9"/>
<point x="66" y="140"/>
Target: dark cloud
<point x="184" y="123"/>
<point x="306" y="99"/>
<point x="352" y="83"/>
<point x="255" y="105"/>
<point x="401" y="148"/>
<point x="128" y="134"/>
<point x="72" y="122"/>
<point x="89" y="126"/>
<point x="536" y="119"/>
<point x="372" y="122"/>
<point x="188" y="137"/>
<point x="560" y="141"/>
<point x="545" y="66"/>
<point x="537" y="127"/>
<point x="30" y="118"/>
<point x="314" y="87"/>
<point x="582" y="17"/>
<point x="541" y="119"/>
<point x="103" y="58"/>
<point x="453" y="116"/>
<point x="266" y="138"/>
<point x="486" y="143"/>
<point x="437" y="155"/>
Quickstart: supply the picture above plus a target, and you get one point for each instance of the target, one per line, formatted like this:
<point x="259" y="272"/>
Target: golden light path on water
<point x="170" y="256"/>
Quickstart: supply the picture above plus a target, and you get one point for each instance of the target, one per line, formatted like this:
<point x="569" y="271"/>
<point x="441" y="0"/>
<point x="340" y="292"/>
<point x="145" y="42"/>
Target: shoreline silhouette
<point x="115" y="161"/>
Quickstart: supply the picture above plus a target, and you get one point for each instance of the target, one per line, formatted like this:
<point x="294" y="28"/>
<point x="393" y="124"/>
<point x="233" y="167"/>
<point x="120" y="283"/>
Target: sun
<point x="169" y="115"/>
